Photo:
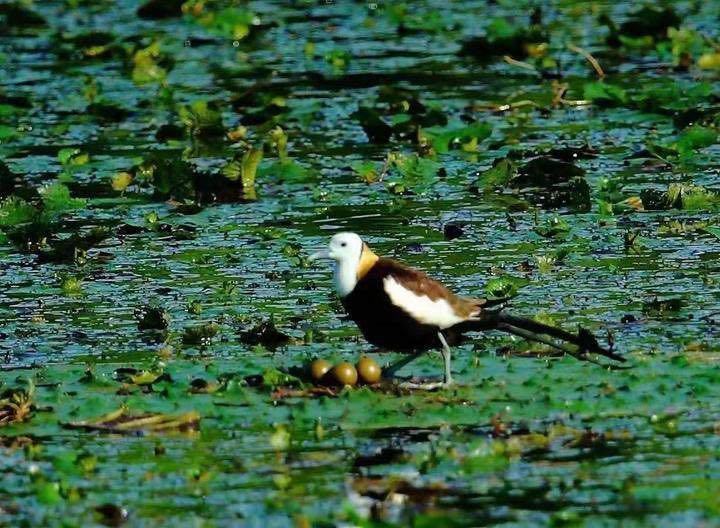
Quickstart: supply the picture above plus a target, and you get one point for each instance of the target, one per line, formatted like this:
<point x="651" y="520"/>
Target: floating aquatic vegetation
<point x="88" y="45"/>
<point x="121" y="181"/>
<point x="499" y="175"/>
<point x="339" y="59"/>
<point x="140" y="376"/>
<point x="369" y="172"/>
<point x="56" y="199"/>
<point x="159" y="9"/>
<point x="28" y="223"/>
<point x="605" y="94"/>
<point x="243" y="170"/>
<point x="410" y="21"/>
<point x="122" y="421"/>
<point x="15" y="211"/>
<point x="504" y="286"/>
<point x="171" y="177"/>
<point x="71" y="285"/>
<point x="72" y="248"/>
<point x="681" y="196"/>
<point x="232" y="22"/>
<point x="694" y="138"/>
<point x="261" y="104"/>
<point x="553" y="227"/>
<point x="202" y="119"/>
<point x="504" y="38"/>
<point x="683" y="46"/>
<point x="464" y="137"/>
<point x="548" y="182"/>
<point x="273" y="378"/>
<point x="376" y="129"/>
<point x="200" y="335"/>
<point x="643" y="27"/>
<point x="17" y="404"/>
<point x="662" y="307"/>
<point x="19" y="15"/>
<point x="457" y="457"/>
<point x="285" y="169"/>
<point x="152" y="317"/>
<point x="150" y="64"/>
<point x="682" y="228"/>
<point x="411" y="174"/>
<point x="265" y="334"/>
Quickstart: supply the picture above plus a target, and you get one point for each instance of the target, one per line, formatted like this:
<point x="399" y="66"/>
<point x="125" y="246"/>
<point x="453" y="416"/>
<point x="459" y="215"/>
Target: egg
<point x="319" y="368"/>
<point x="368" y="370"/>
<point x="345" y="374"/>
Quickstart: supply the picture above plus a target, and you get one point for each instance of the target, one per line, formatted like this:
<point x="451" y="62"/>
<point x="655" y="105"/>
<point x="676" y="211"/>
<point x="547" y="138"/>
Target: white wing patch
<point x="437" y="313"/>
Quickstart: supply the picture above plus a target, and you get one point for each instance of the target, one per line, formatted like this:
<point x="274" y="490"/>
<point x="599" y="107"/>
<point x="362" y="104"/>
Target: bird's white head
<point x="345" y="247"/>
<point x="352" y="258"/>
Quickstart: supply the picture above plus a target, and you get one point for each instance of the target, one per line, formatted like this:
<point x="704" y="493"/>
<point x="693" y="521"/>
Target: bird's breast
<point x="385" y="323"/>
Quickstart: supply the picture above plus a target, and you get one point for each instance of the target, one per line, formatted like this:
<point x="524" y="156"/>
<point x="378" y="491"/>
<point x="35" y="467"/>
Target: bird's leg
<point x="447" y="381"/>
<point x="446" y="355"/>
<point x="392" y="369"/>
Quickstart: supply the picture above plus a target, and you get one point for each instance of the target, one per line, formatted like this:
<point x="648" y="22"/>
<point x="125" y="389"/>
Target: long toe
<point x="427" y="386"/>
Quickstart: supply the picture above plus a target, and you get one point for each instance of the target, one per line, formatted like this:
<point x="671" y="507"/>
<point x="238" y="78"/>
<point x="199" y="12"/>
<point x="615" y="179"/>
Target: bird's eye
<point x="343" y="244"/>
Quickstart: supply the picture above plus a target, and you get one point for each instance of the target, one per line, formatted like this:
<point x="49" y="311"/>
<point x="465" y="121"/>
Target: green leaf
<point x="606" y="93"/>
<point x="273" y="378"/>
<point x="695" y="138"/>
<point x="15" y="211"/>
<point x="555" y="227"/>
<point x="48" y="493"/>
<point x="56" y="199"/>
<point x="73" y="156"/>
<point x="504" y="286"/>
<point x="412" y="173"/>
<point x="7" y="132"/>
<point x="367" y="170"/>
<point x="202" y="118"/>
<point x="146" y="67"/>
<point x="466" y="137"/>
<point x="713" y="230"/>
<point x="231" y="22"/>
<point x="498" y="175"/>
<point x="288" y="171"/>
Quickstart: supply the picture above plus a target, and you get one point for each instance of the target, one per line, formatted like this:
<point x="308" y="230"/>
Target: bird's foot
<point x="426" y="386"/>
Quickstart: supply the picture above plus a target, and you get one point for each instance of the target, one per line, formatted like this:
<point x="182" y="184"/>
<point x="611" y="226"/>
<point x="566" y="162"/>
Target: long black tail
<point x="583" y="341"/>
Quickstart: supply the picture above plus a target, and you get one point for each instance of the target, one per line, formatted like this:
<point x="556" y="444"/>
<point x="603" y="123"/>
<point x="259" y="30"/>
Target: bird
<point x="399" y="308"/>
